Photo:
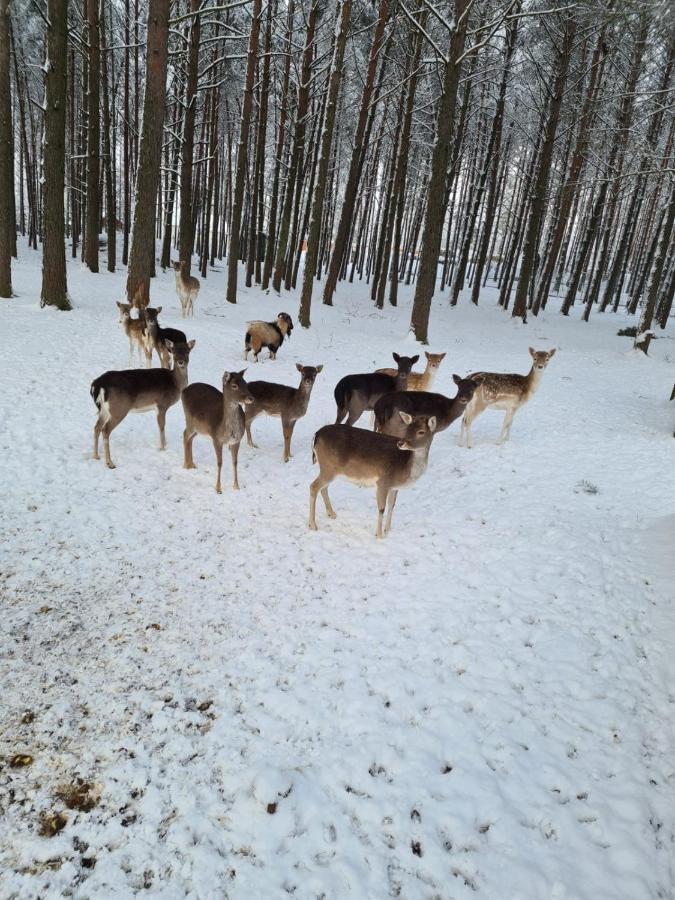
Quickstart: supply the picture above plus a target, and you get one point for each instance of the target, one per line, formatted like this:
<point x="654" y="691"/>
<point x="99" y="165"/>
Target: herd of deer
<point x="406" y="413"/>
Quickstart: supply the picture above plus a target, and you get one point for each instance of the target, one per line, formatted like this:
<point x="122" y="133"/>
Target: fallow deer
<point x="289" y="403"/>
<point x="219" y="416"/>
<point x="156" y="336"/>
<point x="187" y="288"/>
<point x="422" y="403"/>
<point x="135" y="332"/>
<point x="138" y="390"/>
<point x="421" y="381"/>
<point x="354" y="394"/>
<point x="507" y="392"/>
<point x="367" y="458"/>
<point x="267" y="334"/>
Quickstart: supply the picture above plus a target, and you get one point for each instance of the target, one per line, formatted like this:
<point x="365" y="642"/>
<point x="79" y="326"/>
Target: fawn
<point x="289" y="403"/>
<point x="365" y="457"/>
<point x="156" y="336"/>
<point x="135" y="332"/>
<point x="422" y="403"/>
<point x="138" y="390"/>
<point x="354" y="394"/>
<point x="267" y="334"/>
<point x="507" y="392"/>
<point x="217" y="415"/>
<point x="421" y="381"/>
<point x="187" y="288"/>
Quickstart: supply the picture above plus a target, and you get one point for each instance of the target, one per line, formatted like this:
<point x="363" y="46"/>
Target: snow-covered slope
<point x="481" y="704"/>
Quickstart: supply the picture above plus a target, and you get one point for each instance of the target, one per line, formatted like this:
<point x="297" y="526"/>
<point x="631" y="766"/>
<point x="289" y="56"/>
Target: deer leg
<point x="326" y="502"/>
<point x="161" y="421"/>
<point x="109" y="426"/>
<point x="355" y="410"/>
<point x="381" y="496"/>
<point x="131" y="351"/>
<point x="188" y="438"/>
<point x="506" y="426"/>
<point x="249" y="419"/>
<point x="393" y="495"/>
<point x="97" y="430"/>
<point x="318" y="485"/>
<point x="341" y="413"/>
<point x="234" y="453"/>
<point x="288" y="434"/>
<point x="218" y="447"/>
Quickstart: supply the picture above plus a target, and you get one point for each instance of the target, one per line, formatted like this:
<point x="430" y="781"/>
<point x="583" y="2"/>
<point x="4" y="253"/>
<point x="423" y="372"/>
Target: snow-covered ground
<point x="479" y="705"/>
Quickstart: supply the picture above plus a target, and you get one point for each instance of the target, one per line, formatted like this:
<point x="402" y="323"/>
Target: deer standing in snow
<point x="368" y="458"/>
<point x="116" y="394"/>
<point x="420" y="381"/>
<point x="354" y="394"/>
<point x="423" y="403"/>
<point x="187" y="288"/>
<point x="135" y="332"/>
<point x="507" y="392"/>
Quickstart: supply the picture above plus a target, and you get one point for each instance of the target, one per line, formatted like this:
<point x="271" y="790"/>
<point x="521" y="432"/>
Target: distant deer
<point x="365" y="457"/>
<point x="187" y="288"/>
<point x="289" y="403"/>
<point x="423" y="403"/>
<point x="156" y="336"/>
<point x="421" y="381"/>
<point x="507" y="392"/>
<point x="354" y="394"/>
<point x="219" y="416"/>
<point x="138" y="390"/>
<point x="135" y="332"/>
<point x="267" y="334"/>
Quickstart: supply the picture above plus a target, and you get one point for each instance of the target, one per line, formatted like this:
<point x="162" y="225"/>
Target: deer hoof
<point x="219" y="490"/>
<point x="332" y="515"/>
<point x="96" y="456"/>
<point x="111" y="465"/>
<point x="312" y="526"/>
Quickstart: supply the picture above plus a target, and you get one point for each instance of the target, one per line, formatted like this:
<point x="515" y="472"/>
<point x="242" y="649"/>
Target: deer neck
<point x="180" y="377"/>
<point x="401" y="381"/>
<point x="533" y="379"/>
<point x="302" y="396"/>
<point x="229" y="407"/>
<point x="417" y="463"/>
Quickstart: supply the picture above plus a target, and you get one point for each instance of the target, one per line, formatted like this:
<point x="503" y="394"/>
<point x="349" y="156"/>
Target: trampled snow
<point x="479" y="705"/>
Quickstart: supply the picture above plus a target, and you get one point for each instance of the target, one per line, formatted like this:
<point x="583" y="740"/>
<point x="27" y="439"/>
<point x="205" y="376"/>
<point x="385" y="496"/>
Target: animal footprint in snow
<point x="330" y="833"/>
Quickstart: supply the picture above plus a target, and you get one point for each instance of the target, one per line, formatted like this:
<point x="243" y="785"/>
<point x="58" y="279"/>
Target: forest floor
<point x="220" y="703"/>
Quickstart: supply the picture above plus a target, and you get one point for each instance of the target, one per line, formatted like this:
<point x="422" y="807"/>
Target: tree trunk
<point x="186" y="234"/>
<point x="110" y="202"/>
<point x="142" y="253"/>
<point x="655" y="281"/>
<point x="242" y="154"/>
<point x="54" y="287"/>
<point x="528" y="262"/>
<point x="435" y="211"/>
<point x="342" y="16"/>
<point x="7" y="209"/>
<point x="93" y="139"/>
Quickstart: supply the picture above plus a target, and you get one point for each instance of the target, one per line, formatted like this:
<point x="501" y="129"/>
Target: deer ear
<point x="159" y="309"/>
<point x="456" y="379"/>
<point x="396" y="357"/>
<point x="120" y="305"/>
<point x="432" y="423"/>
<point x="415" y="358"/>
<point x="551" y="352"/>
<point x="241" y="374"/>
<point x="427" y="354"/>
<point x="407" y="418"/>
<point x="298" y="367"/>
<point x="532" y="351"/>
<point x="319" y="369"/>
<point x="169" y="345"/>
<point x="191" y="344"/>
<point x="442" y="356"/>
<point x="226" y="377"/>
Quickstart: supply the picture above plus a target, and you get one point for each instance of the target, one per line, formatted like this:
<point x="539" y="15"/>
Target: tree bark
<point x="142" y="253"/>
<point x="7" y="201"/>
<point x="186" y="234"/>
<point x="93" y="139"/>
<point x="435" y="210"/>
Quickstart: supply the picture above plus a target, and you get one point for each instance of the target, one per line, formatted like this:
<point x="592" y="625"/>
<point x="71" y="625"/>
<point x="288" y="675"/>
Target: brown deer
<point x="135" y="332"/>
<point x="138" y="390"/>
<point x="187" y="288"/>
<point x="421" y="381"/>
<point x="507" y="392"/>
<point x="366" y="458"/>
<point x="354" y="394"/>
<point x="267" y="334"/>
<point x="156" y="336"/>
<point x="219" y="416"/>
<point x="289" y="403"/>
<point x="423" y="403"/>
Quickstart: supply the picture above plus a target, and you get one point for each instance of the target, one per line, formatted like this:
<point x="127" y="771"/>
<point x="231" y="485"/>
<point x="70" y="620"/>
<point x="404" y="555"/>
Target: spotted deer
<point x="187" y="288"/>
<point x="116" y="394"/>
<point x="421" y="381"/>
<point x="219" y="416"/>
<point x="288" y="403"/>
<point x="507" y="392"/>
<point x="367" y="458"/>
<point x="135" y="332"/>
<point x="423" y="403"/>
<point x="354" y="394"/>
